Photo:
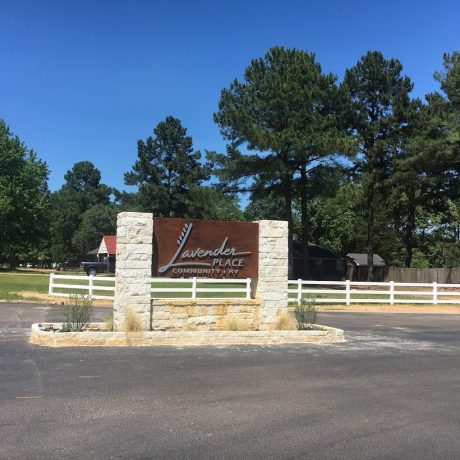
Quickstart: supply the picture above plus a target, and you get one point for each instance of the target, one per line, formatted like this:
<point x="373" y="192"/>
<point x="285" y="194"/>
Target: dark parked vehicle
<point x="68" y="265"/>
<point x="93" y="268"/>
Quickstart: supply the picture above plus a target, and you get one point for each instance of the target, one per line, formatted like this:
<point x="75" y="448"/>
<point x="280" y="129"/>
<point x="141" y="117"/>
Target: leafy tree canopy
<point x="81" y="191"/>
<point x="23" y="195"/>
<point x="97" y="221"/>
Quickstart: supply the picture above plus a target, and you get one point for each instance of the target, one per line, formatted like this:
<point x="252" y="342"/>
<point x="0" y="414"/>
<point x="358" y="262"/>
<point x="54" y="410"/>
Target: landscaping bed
<point x="46" y="334"/>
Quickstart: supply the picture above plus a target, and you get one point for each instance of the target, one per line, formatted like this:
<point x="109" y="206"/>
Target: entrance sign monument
<point x="205" y="248"/>
<point x="184" y="248"/>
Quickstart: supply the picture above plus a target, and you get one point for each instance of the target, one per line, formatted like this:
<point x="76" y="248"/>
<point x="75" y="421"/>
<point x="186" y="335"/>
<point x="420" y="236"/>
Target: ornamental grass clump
<point x="285" y="322"/>
<point x="132" y="322"/>
<point x="305" y="314"/>
<point x="236" y="324"/>
<point x="77" y="313"/>
<point x="109" y="323"/>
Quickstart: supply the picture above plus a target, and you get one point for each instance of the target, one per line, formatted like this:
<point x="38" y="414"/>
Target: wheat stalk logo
<point x="183" y="233"/>
<point x="182" y="240"/>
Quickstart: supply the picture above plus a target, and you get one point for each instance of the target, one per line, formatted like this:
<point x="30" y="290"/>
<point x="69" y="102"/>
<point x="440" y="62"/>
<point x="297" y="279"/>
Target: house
<point x="323" y="264"/>
<point x="107" y="248"/>
<point x="357" y="266"/>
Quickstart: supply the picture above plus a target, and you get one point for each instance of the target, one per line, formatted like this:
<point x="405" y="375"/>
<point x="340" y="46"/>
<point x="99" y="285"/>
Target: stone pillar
<point x="133" y="267"/>
<point x="272" y="284"/>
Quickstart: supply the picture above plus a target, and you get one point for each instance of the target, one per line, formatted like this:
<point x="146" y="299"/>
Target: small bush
<point x="305" y="314"/>
<point x="285" y="322"/>
<point x="77" y="313"/>
<point x="236" y="324"/>
<point x="132" y="322"/>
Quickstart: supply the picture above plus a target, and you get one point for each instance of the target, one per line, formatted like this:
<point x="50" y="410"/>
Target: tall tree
<point x="81" y="191"/>
<point x="23" y="196"/>
<point x="166" y="170"/>
<point x="379" y="110"/>
<point x="449" y="78"/>
<point x="97" y="221"/>
<point x="210" y="203"/>
<point x="337" y="221"/>
<point x="428" y="163"/>
<point x="286" y="110"/>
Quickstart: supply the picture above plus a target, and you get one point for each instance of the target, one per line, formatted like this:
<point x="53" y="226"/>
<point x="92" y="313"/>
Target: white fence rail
<point x="390" y="292"/>
<point x="60" y="285"/>
<point x="85" y="285"/>
<point x="346" y="292"/>
<point x="202" y="285"/>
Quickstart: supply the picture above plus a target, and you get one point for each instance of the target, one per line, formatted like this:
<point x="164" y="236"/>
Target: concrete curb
<point x="155" y="338"/>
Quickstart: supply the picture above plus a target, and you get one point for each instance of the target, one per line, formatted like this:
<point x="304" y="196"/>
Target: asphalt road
<point x="391" y="391"/>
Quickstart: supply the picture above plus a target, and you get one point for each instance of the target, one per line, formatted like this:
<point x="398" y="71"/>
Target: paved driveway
<point x="391" y="391"/>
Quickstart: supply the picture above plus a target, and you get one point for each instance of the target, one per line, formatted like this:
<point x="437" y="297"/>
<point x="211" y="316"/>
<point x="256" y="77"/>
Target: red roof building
<point x="108" y="246"/>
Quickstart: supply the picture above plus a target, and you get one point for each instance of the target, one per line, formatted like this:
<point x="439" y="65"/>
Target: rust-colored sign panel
<point x="205" y="248"/>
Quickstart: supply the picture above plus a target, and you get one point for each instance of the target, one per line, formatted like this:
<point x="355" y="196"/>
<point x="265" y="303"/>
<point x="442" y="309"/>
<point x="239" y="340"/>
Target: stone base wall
<point x="156" y="338"/>
<point x="204" y="314"/>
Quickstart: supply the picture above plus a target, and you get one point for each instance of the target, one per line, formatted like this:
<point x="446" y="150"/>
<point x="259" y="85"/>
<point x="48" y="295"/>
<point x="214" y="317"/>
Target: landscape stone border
<point x="155" y="338"/>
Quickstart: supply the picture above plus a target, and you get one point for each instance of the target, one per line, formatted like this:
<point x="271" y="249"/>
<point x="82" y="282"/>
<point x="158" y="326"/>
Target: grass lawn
<point x="18" y="282"/>
<point x="22" y="286"/>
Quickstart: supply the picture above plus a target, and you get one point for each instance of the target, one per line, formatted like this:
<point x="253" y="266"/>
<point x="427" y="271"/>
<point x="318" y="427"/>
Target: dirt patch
<point x="52" y="299"/>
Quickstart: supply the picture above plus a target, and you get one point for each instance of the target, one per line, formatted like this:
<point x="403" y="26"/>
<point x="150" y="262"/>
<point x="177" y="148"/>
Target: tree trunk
<point x="287" y="194"/>
<point x="304" y="223"/>
<point x="409" y="232"/>
<point x="13" y="260"/>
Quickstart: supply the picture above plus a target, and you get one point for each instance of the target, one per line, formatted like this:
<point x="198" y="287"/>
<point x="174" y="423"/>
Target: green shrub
<point x="305" y="314"/>
<point x="77" y="313"/>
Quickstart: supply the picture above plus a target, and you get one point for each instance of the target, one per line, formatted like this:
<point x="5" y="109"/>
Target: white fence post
<point x="50" y="289"/>
<point x="194" y="287"/>
<point x="392" y="292"/>
<point x="299" y="291"/>
<point x="90" y="287"/>
<point x="248" y="288"/>
<point x="435" y="292"/>
<point x="347" y="292"/>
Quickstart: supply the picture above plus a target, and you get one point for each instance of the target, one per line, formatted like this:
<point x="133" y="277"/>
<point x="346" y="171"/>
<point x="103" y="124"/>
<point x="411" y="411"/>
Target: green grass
<point x="11" y="296"/>
<point x="23" y="282"/>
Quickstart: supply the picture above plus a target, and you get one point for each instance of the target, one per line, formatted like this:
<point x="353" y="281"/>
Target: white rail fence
<point x="85" y="285"/>
<point x="98" y="288"/>
<point x="390" y="292"/>
<point x="332" y="292"/>
<point x="203" y="285"/>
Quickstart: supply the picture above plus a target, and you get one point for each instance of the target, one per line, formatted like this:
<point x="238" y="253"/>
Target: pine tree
<point x="167" y="169"/>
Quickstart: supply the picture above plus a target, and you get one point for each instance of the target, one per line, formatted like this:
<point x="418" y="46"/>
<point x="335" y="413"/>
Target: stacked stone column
<point x="133" y="267"/>
<point x="272" y="284"/>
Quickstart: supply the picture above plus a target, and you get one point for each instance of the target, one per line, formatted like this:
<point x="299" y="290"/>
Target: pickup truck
<point x="93" y="268"/>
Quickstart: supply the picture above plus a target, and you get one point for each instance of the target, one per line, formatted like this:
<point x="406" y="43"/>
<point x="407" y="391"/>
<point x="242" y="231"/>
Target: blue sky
<point x="84" y="80"/>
